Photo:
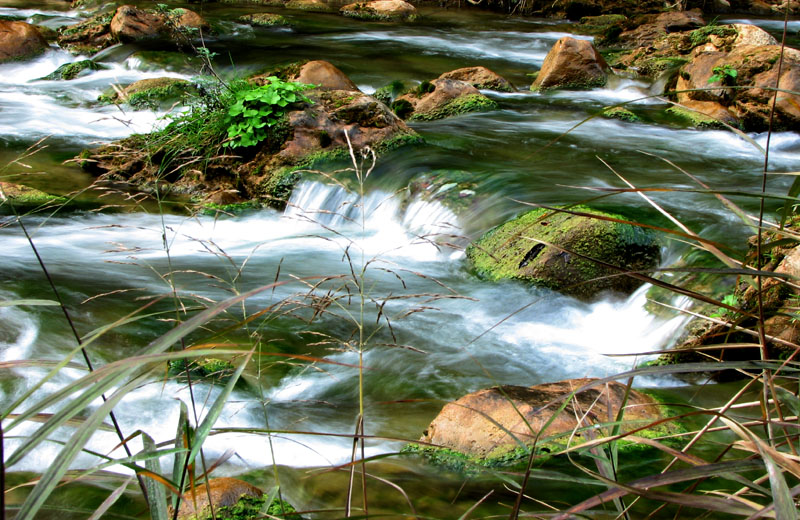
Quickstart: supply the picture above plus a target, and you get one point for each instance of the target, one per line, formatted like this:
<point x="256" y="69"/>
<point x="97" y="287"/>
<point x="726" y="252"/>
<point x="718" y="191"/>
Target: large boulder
<point x="20" y="40"/>
<point x="480" y="78"/>
<point x="495" y="422"/>
<point x="572" y="63"/>
<point x="324" y="75"/>
<point x="380" y="10"/>
<point x="439" y="99"/>
<point x="131" y="24"/>
<point x="755" y="68"/>
<point x="565" y="252"/>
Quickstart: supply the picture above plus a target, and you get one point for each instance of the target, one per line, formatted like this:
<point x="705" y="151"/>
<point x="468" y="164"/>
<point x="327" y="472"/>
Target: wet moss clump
<point x="206" y="368"/>
<point x="693" y="118"/>
<point x="458" y="106"/>
<point x="72" y="70"/>
<point x="623" y="114"/>
<point x="264" y="20"/>
<point x="250" y="508"/>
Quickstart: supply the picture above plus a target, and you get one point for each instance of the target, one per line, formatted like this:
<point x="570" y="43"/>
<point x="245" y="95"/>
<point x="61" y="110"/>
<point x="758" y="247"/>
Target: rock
<point x="441" y="98"/>
<point x="511" y="251"/>
<point x="308" y="5"/>
<point x="572" y="63"/>
<point x="752" y="35"/>
<point x="384" y="10"/>
<point x="72" y="70"/>
<point x="703" y="114"/>
<point x="19" y="41"/>
<point x="151" y="93"/>
<point x="264" y="173"/>
<point x="89" y="36"/>
<point x="388" y="93"/>
<point x="489" y="423"/>
<point x="654" y="27"/>
<point x="21" y="198"/>
<point x="623" y="114"/>
<point x="324" y="75"/>
<point x="224" y="492"/>
<point x="754" y="67"/>
<point x="480" y="78"/>
<point x="264" y="19"/>
<point x="131" y="24"/>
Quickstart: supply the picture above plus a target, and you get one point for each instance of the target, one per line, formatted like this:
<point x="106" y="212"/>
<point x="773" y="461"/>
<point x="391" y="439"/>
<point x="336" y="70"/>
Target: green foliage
<point x="726" y="74"/>
<point x="731" y="300"/>
<point x="257" y="109"/>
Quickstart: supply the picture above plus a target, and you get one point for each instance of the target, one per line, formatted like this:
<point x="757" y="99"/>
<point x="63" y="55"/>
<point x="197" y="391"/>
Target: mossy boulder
<point x="382" y="10"/>
<point x="572" y="63"/>
<point x="441" y="98"/>
<point x="231" y="499"/>
<point x="21" y="198"/>
<point x="264" y="20"/>
<point x="20" y="40"/>
<point x="497" y="426"/>
<point x="309" y="5"/>
<point x="621" y="113"/>
<point x="73" y="70"/>
<point x="151" y="93"/>
<point x="390" y="92"/>
<point x="568" y="253"/>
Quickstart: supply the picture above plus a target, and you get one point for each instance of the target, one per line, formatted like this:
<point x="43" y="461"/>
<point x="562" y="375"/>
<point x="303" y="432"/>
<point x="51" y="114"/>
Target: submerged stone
<point x="573" y="254"/>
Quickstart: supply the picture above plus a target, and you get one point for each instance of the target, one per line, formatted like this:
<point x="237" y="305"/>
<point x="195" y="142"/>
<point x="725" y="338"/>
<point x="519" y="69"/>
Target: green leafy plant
<point x="257" y="109"/>
<point x="725" y="74"/>
<point x="722" y="312"/>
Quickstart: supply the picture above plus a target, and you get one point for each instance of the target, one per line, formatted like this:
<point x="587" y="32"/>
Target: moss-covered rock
<point x="152" y="93"/>
<point x="232" y="499"/>
<point x="567" y="253"/>
<point x="88" y="36"/>
<point x="264" y="19"/>
<point x="207" y="368"/>
<point x="20" y="198"/>
<point x="441" y="98"/>
<point x="694" y="118"/>
<point x="388" y="93"/>
<point x="621" y="113"/>
<point x="72" y="70"/>
<point x="571" y="63"/>
<point x="480" y="78"/>
<point x="381" y="10"/>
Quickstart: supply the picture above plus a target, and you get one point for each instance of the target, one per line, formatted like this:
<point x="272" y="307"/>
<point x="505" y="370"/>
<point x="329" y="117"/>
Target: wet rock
<point x="572" y="63"/>
<point x="380" y="10"/>
<point x="388" y="93"/>
<point x="89" y="36"/>
<point x="567" y="253"/>
<point x="151" y="93"/>
<point x="19" y="41"/>
<point x="308" y="5"/>
<point x="131" y="24"/>
<point x="650" y="28"/>
<point x="224" y="492"/>
<point x="439" y="99"/>
<point x="73" y="70"/>
<point x="324" y="75"/>
<point x="703" y="114"/>
<point x="752" y="35"/>
<point x="21" y="198"/>
<point x="755" y="67"/>
<point x="480" y="78"/>
<point x="264" y="19"/>
<point x="489" y="423"/>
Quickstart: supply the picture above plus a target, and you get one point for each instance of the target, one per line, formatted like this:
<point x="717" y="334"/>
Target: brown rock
<point x="441" y="98"/>
<point x="489" y="423"/>
<point x="324" y="75"/>
<point x="224" y="492"/>
<point x="656" y="27"/>
<point x="481" y="78"/>
<point x="712" y="109"/>
<point x="20" y="40"/>
<point x="572" y="63"/>
<point x="380" y="10"/>
<point x="132" y="24"/>
<point x="752" y="35"/>
<point x="308" y="5"/>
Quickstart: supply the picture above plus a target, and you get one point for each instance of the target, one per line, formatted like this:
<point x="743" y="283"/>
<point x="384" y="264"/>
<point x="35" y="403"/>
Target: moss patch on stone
<point x="701" y="35"/>
<point x="623" y="114"/>
<point x="513" y="250"/>
<point x="250" y="508"/>
<point x="264" y="19"/>
<point x="72" y="70"/>
<point x="17" y="197"/>
<point x="207" y="368"/>
<point x="458" y="106"/>
<point x="695" y="119"/>
<point x="213" y="209"/>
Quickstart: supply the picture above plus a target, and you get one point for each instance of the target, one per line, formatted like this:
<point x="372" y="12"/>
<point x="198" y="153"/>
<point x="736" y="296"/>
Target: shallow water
<point x="538" y="148"/>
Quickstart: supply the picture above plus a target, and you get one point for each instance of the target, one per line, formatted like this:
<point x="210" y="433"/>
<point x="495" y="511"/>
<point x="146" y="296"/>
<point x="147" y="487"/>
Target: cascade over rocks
<point x="265" y="172"/>
<point x="573" y="261"/>
<point x="572" y="63"/>
<point x="486" y="424"/>
<point x="20" y="40"/>
<point x="380" y="10"/>
<point x="440" y="98"/>
<point x="480" y="78"/>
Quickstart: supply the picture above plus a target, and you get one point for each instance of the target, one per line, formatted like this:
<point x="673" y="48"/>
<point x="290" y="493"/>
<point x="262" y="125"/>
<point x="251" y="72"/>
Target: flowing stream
<point x="472" y="334"/>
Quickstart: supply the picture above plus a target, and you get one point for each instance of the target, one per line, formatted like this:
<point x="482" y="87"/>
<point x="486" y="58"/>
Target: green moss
<point x="99" y="20"/>
<point x="362" y="11"/>
<point x="264" y="19"/>
<point x="458" y="106"/>
<point x="402" y="108"/>
<point x="578" y="84"/>
<point x="622" y="114"/>
<point x="70" y="71"/>
<point x="511" y="251"/>
<point x="213" y="209"/>
<point x="700" y="36"/>
<point x="211" y="368"/>
<point x="470" y="465"/>
<point x="696" y="119"/>
<point x="250" y="508"/>
<point x="23" y="198"/>
<point x="170" y="90"/>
